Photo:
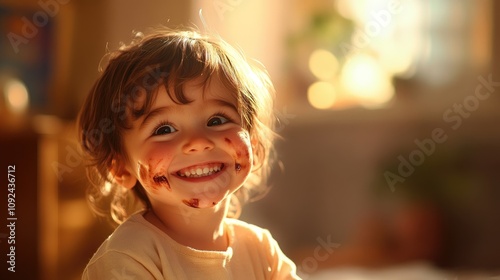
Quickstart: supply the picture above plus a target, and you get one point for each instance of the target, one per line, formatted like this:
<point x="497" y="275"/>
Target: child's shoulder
<point x="131" y="246"/>
<point x="131" y="236"/>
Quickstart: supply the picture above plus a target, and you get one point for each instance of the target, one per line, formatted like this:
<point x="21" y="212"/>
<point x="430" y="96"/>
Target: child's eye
<point x="164" y="129"/>
<point x="217" y="120"/>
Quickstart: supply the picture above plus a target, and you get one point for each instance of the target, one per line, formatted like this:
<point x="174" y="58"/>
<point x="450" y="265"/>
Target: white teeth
<point x="200" y="172"/>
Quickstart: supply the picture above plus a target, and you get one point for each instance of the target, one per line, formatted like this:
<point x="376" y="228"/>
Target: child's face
<point x="192" y="154"/>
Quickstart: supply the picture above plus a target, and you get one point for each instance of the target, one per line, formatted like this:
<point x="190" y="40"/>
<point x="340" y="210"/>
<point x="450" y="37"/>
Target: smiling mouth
<point x="200" y="170"/>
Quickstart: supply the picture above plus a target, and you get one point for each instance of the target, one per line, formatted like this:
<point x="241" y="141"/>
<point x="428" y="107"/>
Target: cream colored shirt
<point x="139" y="250"/>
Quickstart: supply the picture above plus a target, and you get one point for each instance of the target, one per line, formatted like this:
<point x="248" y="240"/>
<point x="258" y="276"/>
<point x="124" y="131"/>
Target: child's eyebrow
<point x="153" y="113"/>
<point x="224" y="103"/>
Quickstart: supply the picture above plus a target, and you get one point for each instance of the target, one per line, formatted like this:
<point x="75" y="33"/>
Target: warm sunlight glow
<point x="350" y="9"/>
<point x="16" y="96"/>
<point x="323" y="64"/>
<point x="321" y="95"/>
<point x="398" y="61"/>
<point x="74" y="214"/>
<point x="343" y="8"/>
<point x="390" y="30"/>
<point x="364" y="78"/>
<point x="106" y="189"/>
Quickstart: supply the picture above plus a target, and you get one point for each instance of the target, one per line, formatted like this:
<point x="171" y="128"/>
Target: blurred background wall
<point x="388" y="112"/>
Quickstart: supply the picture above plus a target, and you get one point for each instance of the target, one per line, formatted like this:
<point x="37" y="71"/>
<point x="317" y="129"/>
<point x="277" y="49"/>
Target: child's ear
<point x="122" y="175"/>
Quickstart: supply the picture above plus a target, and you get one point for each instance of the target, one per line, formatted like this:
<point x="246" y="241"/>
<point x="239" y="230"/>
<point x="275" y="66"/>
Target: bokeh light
<point x="363" y="77"/>
<point x="321" y="95"/>
<point x="16" y="95"/>
<point x="323" y="64"/>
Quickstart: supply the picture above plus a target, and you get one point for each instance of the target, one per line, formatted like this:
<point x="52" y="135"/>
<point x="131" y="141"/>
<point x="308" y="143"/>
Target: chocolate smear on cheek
<point x="194" y="202"/>
<point x="154" y="179"/>
<point x="161" y="180"/>
<point x="242" y="157"/>
<point x="238" y="158"/>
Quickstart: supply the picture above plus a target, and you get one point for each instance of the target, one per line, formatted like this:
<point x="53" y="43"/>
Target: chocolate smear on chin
<point x="194" y="202"/>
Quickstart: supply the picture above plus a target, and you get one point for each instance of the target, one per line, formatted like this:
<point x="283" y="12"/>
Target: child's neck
<point x="202" y="229"/>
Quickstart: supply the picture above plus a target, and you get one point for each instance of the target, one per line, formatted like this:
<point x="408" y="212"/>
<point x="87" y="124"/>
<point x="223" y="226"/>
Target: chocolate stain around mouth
<point x="194" y="202"/>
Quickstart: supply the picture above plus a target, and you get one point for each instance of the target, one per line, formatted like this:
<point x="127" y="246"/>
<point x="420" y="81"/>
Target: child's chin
<point x="207" y="203"/>
<point x="201" y="203"/>
<point x="209" y="200"/>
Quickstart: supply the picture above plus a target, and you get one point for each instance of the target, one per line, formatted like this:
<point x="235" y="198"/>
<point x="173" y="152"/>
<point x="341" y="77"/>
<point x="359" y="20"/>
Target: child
<point x="182" y="123"/>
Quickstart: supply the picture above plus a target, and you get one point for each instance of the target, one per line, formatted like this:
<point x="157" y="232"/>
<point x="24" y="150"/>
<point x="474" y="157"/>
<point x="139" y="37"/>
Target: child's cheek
<point x="242" y="150"/>
<point x="153" y="175"/>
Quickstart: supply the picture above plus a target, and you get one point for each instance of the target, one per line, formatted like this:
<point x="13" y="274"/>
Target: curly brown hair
<point x="168" y="58"/>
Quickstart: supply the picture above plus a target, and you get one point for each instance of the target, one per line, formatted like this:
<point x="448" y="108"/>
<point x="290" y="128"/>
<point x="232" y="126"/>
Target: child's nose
<point x="198" y="143"/>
